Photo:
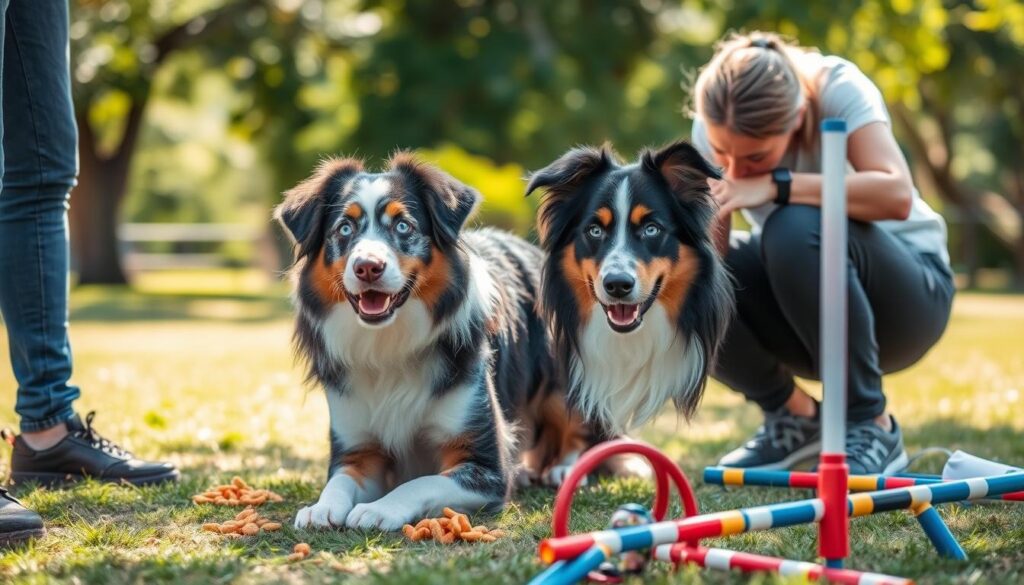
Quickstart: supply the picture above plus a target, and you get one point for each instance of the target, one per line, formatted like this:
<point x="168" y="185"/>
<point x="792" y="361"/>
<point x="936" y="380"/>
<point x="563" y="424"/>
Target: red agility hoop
<point x="664" y="470"/>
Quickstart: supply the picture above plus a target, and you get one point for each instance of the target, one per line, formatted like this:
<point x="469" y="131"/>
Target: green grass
<point x="201" y="373"/>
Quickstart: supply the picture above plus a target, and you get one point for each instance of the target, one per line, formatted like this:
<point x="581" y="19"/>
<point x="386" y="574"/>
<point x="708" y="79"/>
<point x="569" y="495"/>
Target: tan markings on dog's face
<point x="354" y="211"/>
<point x="394" y="209"/>
<point x="580" y="276"/>
<point x="604" y="217"/>
<point x="369" y="462"/>
<point x="432" y="277"/>
<point x="637" y="215"/>
<point x="676" y="278"/>
<point x="454" y="453"/>
<point x="327" y="279"/>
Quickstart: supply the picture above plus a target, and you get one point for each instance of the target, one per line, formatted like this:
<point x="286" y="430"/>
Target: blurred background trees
<point x="204" y="111"/>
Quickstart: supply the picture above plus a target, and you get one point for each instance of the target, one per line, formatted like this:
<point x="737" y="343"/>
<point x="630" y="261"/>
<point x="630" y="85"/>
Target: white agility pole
<point x="833" y="471"/>
<point x="833" y="285"/>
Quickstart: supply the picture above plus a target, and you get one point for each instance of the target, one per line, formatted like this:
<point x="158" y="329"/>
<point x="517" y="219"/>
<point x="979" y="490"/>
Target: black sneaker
<point x="84" y="453"/>
<point x="783" y="441"/>
<point x="872" y="450"/>
<point x="17" y="523"/>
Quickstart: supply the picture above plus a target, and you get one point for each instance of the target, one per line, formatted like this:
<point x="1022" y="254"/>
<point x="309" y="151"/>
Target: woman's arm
<point x="881" y="187"/>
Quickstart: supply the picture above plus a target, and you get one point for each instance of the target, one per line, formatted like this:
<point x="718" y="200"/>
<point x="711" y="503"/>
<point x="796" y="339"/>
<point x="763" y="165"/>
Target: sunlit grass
<point x="219" y="395"/>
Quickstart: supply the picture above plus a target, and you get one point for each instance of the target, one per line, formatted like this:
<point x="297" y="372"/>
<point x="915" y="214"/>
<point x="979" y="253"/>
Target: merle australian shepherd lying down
<point x="637" y="296"/>
<point x="428" y="342"/>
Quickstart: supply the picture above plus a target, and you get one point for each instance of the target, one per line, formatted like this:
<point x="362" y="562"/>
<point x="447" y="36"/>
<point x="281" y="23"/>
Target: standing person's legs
<point x="17" y="523"/>
<point x="40" y="145"/>
<point x="40" y="167"/>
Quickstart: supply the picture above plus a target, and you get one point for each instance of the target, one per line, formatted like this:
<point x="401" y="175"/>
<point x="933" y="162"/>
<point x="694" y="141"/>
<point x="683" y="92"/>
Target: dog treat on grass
<point x="299" y="552"/>
<point x="246" y="523"/>
<point x="236" y="493"/>
<point x="450" y="528"/>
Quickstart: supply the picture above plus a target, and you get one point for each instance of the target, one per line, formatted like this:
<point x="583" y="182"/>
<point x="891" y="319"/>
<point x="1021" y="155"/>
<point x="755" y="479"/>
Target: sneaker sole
<point x="897" y="464"/>
<point x="799" y="456"/>
<point x="9" y="539"/>
<point x="51" y="479"/>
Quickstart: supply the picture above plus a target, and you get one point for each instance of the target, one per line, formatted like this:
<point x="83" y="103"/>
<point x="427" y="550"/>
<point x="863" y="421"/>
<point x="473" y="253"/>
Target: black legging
<point x="899" y="304"/>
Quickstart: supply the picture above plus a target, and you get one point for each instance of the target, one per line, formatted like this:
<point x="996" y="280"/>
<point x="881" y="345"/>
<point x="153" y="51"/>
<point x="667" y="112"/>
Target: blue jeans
<point x="38" y="167"/>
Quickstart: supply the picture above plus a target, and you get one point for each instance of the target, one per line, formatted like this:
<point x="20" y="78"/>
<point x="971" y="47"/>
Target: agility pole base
<point x="572" y="557"/>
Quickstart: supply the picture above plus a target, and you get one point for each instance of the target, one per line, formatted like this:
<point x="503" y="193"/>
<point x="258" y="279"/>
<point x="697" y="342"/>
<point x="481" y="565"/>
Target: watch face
<point x="782" y="175"/>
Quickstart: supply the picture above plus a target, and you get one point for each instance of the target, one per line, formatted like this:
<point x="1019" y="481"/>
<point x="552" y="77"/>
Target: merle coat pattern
<point x="428" y="343"/>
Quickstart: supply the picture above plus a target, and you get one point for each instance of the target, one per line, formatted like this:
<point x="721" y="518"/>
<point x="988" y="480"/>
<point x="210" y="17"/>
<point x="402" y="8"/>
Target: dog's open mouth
<point x="374" y="306"/>
<point x="623" y="318"/>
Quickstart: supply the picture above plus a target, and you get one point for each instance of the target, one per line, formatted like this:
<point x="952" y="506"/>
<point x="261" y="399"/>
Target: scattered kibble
<point x="300" y="552"/>
<point x="449" y="528"/>
<point x="236" y="493"/>
<point x="248" y="522"/>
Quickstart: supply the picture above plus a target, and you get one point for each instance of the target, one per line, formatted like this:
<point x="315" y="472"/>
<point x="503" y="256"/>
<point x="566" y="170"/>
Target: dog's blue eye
<point x="403" y="227"/>
<point x="345" y="229"/>
<point x="651" y="230"/>
<point x="595" y="231"/>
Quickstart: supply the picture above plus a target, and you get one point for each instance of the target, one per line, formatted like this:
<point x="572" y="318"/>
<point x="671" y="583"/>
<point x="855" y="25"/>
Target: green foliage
<point x="242" y="97"/>
<point x="500" y="185"/>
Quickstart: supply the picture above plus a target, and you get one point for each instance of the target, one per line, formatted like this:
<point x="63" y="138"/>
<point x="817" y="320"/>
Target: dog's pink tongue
<point x="623" y="314"/>
<point x="374" y="303"/>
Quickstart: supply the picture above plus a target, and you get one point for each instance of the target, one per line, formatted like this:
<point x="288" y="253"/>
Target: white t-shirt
<point x="845" y="92"/>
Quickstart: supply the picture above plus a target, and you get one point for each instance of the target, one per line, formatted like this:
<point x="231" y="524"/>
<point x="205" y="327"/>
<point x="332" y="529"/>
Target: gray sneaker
<point x="872" y="450"/>
<point x="783" y="441"/>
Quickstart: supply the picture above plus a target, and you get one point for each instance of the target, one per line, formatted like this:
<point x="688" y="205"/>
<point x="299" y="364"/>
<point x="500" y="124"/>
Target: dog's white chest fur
<point x="391" y="372"/>
<point x="625" y="379"/>
<point x="396" y="408"/>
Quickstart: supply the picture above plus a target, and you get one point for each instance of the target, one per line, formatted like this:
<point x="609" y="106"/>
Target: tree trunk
<point x="93" y="218"/>
<point x="103" y="177"/>
<point x="96" y="201"/>
<point x="1018" y="265"/>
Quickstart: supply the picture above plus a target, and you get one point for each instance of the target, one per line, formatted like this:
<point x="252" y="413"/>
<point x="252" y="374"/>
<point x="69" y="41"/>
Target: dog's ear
<point x="449" y="202"/>
<point x="302" y="212"/>
<point x="685" y="172"/>
<point x="683" y="168"/>
<point x="561" y="179"/>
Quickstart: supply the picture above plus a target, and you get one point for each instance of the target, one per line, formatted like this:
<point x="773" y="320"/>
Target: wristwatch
<point x="782" y="179"/>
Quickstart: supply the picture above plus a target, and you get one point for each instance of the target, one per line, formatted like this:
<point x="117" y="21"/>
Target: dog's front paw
<point x="626" y="465"/>
<point x="526" y="477"/>
<point x="556" y="475"/>
<point x="324" y="514"/>
<point x="376" y="515"/>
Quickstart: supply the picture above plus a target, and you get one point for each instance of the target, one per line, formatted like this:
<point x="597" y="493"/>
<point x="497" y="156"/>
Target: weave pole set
<point x="572" y="557"/>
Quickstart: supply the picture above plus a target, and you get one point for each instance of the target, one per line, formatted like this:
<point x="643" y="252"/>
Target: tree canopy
<point x="205" y="110"/>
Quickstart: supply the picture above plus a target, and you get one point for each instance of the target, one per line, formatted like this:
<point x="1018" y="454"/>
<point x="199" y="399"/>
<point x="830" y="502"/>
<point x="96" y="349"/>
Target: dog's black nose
<point x="368" y="269"/>
<point x="619" y="284"/>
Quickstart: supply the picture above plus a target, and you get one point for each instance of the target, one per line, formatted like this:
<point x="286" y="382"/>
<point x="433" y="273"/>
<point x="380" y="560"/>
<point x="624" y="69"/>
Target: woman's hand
<point x="734" y="194"/>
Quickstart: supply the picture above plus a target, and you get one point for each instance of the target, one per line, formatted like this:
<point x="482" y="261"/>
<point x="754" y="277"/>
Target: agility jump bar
<point x="734" y="476"/>
<point x="586" y="551"/>
<point x="729" y="560"/>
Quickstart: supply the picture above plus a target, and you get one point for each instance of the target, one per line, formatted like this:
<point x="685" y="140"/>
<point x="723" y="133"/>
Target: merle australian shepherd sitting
<point x="632" y="284"/>
<point x="428" y="342"/>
